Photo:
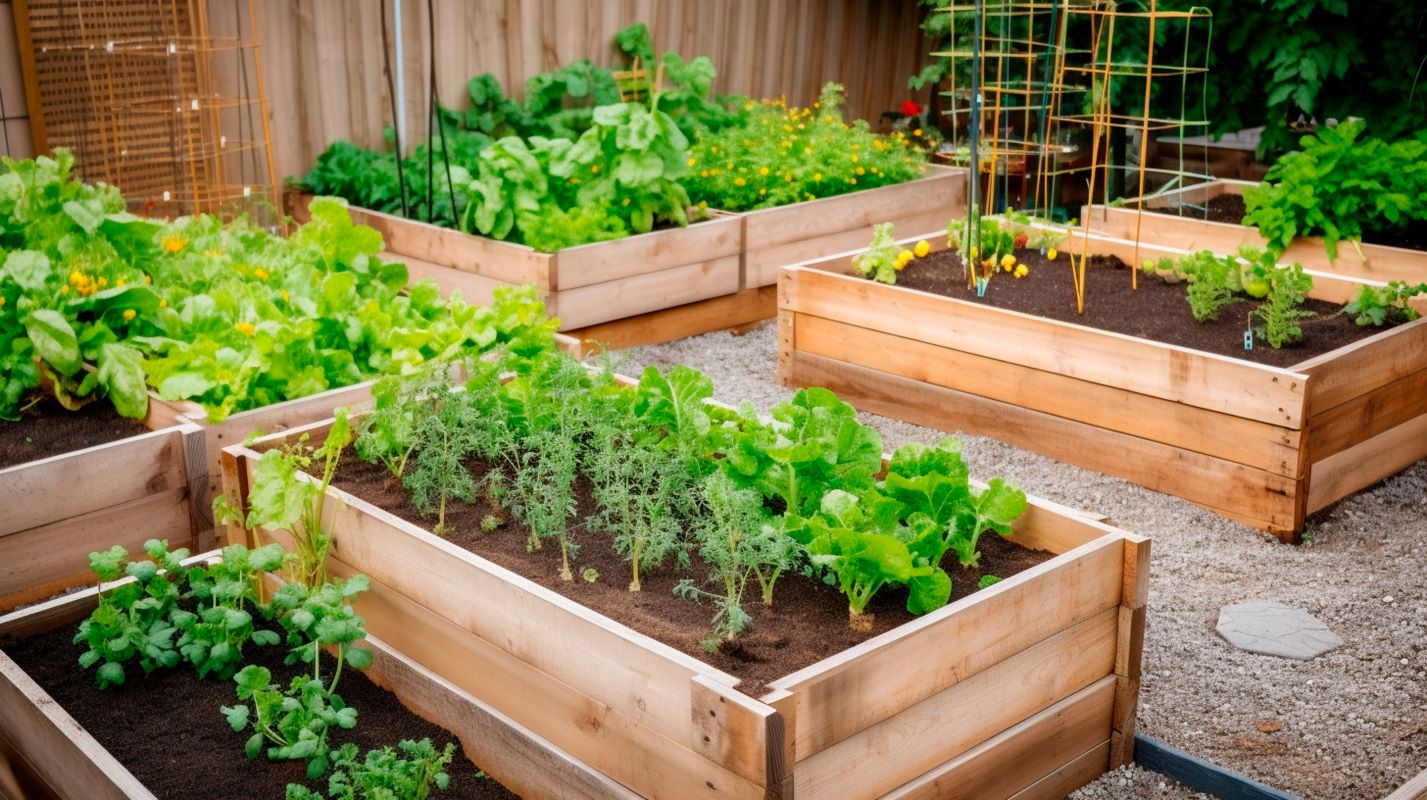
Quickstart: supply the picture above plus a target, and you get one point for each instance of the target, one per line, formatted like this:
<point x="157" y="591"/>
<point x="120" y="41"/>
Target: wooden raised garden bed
<point x="45" y="753"/>
<point x="776" y="237"/>
<point x="584" y="286"/>
<point x="1040" y="672"/>
<point x="1263" y="445"/>
<point x="59" y="509"/>
<point x="1376" y="262"/>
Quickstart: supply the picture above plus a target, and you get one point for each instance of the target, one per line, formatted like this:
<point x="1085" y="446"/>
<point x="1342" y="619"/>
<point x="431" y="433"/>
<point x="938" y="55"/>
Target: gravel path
<point x="1351" y="725"/>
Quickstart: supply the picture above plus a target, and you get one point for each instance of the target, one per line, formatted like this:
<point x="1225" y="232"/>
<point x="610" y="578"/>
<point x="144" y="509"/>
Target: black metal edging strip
<point x="1200" y="775"/>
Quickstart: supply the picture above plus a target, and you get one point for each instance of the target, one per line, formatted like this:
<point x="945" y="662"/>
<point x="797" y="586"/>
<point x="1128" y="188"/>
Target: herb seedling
<point x="408" y="771"/>
<point x="132" y="620"/>
<point x="213" y="636"/>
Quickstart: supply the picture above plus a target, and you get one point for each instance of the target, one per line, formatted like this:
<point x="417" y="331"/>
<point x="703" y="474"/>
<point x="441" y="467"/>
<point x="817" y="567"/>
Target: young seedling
<point x="408" y="771"/>
<point x="132" y="620"/>
<point x="282" y="497"/>
<point x="213" y="636"/>
<point x="740" y="543"/>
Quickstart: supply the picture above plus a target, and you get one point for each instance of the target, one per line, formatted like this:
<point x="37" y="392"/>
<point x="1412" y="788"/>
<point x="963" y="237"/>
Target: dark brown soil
<point x="168" y="730"/>
<point x="807" y="623"/>
<point x="1157" y="310"/>
<point x="1230" y="208"/>
<point x="1221" y="208"/>
<point x="49" y="429"/>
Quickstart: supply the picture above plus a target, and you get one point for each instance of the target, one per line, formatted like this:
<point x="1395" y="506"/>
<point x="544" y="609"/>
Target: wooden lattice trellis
<point x="148" y="101"/>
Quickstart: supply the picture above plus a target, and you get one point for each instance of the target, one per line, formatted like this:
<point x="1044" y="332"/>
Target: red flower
<point x="910" y="108"/>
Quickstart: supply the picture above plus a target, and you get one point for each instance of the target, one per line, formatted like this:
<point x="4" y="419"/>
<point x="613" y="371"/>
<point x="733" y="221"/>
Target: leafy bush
<point x="1340" y="187"/>
<point x="788" y="155"/>
<point x="95" y="302"/>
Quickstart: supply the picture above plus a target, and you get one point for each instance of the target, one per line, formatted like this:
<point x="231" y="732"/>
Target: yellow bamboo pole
<point x="1144" y="146"/>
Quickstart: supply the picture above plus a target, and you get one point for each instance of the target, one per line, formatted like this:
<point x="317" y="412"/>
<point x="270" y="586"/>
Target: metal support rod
<point x="400" y="73"/>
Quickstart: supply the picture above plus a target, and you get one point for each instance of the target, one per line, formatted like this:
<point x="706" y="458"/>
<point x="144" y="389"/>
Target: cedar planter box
<point x="1259" y="444"/>
<point x="1040" y="673"/>
<point x="584" y="285"/>
<point x="1377" y="262"/>
<point x="44" y="752"/>
<point x="776" y="237"/>
<point x="61" y="508"/>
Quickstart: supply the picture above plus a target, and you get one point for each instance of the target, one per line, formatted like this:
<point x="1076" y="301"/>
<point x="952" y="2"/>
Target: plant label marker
<point x="1248" y="340"/>
<point x="981" y="287"/>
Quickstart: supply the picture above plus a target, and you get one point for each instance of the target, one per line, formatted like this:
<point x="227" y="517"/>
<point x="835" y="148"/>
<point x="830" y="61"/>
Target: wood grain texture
<point x="1257" y="498"/>
<point x="882" y="677"/>
<point x="60" y="509"/>
<point x="324" y="59"/>
<point x="1376" y="262"/>
<point x="1415" y="789"/>
<point x="1021" y="755"/>
<point x="747" y="307"/>
<point x="776" y="237"/>
<point x="983" y="705"/>
<point x="1178" y="374"/>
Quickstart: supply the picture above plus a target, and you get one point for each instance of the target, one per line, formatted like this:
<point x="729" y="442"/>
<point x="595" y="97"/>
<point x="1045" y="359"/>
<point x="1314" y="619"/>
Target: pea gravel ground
<point x="1351" y="725"/>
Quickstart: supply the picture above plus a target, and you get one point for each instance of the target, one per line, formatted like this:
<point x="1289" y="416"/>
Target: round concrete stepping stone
<point x="1275" y="629"/>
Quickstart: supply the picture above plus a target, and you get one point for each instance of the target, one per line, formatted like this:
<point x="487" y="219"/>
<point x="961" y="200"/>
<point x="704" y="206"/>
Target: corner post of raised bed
<point x="740" y="734"/>
<point x="234" y="460"/>
<point x="195" y="465"/>
<point x="1129" y="648"/>
<point x="787" y="296"/>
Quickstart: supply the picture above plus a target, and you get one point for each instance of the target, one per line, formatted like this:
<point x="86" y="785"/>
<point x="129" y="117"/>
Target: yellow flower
<point x="1021" y="271"/>
<point x="923" y="247"/>
<point x="245" y="328"/>
<point x="816" y="104"/>
<point x="817" y="176"/>
<point x="917" y="132"/>
<point x="163" y="303"/>
<point x="807" y="149"/>
<point x="902" y="258"/>
<point x="2" y="302"/>
<point x="260" y="273"/>
<point x="64" y="290"/>
<point x="691" y="162"/>
<point x="703" y="173"/>
<point x="1007" y="262"/>
<point x="148" y="280"/>
<point x="285" y="298"/>
<point x="103" y="281"/>
<point x="852" y="180"/>
<point x="852" y="158"/>
<point x="861" y="171"/>
<point x="789" y="177"/>
<point x="119" y="282"/>
<point x="128" y="314"/>
<point x="739" y="182"/>
<point x="626" y="201"/>
<point x="762" y="192"/>
<point x="173" y="244"/>
<point x="76" y="277"/>
<point x="763" y="171"/>
<point x="1051" y="254"/>
<point x="594" y="169"/>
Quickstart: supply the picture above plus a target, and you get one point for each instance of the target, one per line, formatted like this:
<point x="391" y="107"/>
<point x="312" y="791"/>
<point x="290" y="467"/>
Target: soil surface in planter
<point x="1221" y="208"/>
<point x="168" y="731"/>
<point x="807" y="622"/>
<point x="1157" y="311"/>
<point x="1231" y="208"/>
<point x="49" y="429"/>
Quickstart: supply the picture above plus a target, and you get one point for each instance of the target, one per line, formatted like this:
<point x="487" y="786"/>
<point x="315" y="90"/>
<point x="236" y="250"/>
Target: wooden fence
<point x="323" y="60"/>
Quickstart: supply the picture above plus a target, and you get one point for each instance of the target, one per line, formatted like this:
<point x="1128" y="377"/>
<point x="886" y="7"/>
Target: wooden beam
<point x="1179" y="374"/>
